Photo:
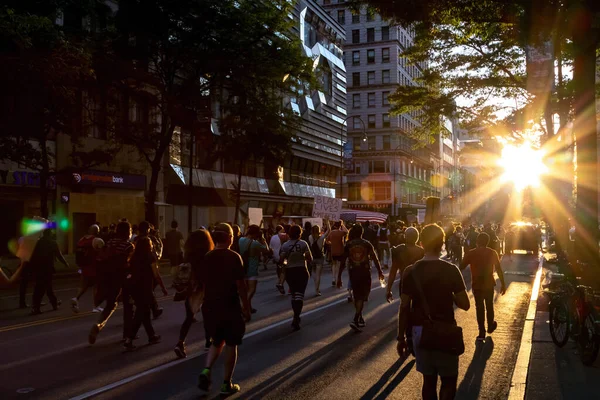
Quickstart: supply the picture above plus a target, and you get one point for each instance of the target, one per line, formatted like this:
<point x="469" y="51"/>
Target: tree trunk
<point x="238" y="194"/>
<point x="152" y="193"/>
<point x="44" y="173"/>
<point x="584" y="77"/>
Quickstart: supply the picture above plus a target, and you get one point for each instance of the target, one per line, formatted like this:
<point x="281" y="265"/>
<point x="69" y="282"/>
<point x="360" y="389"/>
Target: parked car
<point x="522" y="236"/>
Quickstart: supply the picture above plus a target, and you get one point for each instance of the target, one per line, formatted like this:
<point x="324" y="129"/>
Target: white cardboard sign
<point x="255" y="215"/>
<point x="327" y="208"/>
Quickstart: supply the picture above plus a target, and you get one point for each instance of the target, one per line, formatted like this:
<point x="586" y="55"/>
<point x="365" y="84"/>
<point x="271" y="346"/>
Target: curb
<point x="518" y="382"/>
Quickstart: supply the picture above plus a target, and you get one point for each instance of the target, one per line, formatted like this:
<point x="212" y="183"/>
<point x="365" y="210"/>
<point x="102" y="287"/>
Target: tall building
<point x="387" y="174"/>
<point x="279" y="190"/>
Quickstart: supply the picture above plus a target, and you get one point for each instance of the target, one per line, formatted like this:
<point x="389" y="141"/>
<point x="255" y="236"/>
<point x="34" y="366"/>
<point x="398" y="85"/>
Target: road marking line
<point x="170" y="364"/>
<point x="519" y="379"/>
<point x="59" y="319"/>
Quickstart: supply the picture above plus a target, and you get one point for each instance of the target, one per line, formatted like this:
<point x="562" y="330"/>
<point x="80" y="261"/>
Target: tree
<point x="44" y="68"/>
<point x="575" y="20"/>
<point x="174" y="54"/>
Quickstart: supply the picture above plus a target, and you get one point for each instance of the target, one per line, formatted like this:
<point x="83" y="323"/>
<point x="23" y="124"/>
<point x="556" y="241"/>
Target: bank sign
<point x="109" y="179"/>
<point x="24" y="178"/>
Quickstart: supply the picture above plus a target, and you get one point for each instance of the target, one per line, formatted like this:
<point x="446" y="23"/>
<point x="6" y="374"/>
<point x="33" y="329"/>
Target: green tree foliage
<point x="175" y="53"/>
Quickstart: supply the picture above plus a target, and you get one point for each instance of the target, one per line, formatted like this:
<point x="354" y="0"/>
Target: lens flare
<point x="523" y="165"/>
<point x="31" y="226"/>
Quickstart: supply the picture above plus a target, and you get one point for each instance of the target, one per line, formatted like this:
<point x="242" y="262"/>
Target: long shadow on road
<point x="372" y="392"/>
<point x="470" y="387"/>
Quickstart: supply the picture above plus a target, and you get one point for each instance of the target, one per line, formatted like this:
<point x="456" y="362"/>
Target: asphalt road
<point x="48" y="357"/>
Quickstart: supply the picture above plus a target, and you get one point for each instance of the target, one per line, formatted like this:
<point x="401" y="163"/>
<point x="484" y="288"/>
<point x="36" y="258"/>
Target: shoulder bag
<point x="445" y="337"/>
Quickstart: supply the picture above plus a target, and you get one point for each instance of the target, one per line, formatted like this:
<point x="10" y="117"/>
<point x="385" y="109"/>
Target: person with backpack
<point x="430" y="289"/>
<point x="295" y="253"/>
<point x="383" y="245"/>
<point x="85" y="257"/>
<point x="359" y="254"/>
<point x="317" y="242"/>
<point x="141" y="283"/>
<point x="112" y="271"/>
<point x="251" y="247"/>
<point x="198" y="244"/>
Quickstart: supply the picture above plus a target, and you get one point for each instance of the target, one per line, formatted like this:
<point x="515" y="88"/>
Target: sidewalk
<point x="555" y="373"/>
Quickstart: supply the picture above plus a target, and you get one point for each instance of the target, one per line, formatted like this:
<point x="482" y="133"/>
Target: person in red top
<point x="483" y="262"/>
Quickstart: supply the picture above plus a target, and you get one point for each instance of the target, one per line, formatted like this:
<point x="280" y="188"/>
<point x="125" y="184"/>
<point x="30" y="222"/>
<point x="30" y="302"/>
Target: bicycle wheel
<point x="559" y="324"/>
<point x="588" y="342"/>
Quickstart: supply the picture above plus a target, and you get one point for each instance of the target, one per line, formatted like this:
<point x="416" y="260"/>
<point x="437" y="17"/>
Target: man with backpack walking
<point x="85" y="257"/>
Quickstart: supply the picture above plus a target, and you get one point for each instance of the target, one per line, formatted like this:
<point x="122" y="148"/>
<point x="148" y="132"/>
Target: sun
<point x="523" y="165"/>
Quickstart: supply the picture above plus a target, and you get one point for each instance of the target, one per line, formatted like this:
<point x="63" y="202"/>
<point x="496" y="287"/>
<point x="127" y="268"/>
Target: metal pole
<point x="191" y="183"/>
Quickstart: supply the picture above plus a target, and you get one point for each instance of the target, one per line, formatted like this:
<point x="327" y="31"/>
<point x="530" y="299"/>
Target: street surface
<point x="48" y="357"/>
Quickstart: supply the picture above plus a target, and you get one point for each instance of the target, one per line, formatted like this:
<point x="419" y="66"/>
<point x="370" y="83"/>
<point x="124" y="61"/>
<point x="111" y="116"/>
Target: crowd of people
<point x="120" y="264"/>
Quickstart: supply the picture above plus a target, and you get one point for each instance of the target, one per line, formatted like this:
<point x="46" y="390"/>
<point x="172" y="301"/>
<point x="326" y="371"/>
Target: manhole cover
<point x="25" y="390"/>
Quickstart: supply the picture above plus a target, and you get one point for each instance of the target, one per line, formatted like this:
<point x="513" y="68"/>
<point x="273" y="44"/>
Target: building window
<point x="379" y="167"/>
<point x="385" y="76"/>
<point x="310" y="34"/>
<point x="385" y="33"/>
<point x="356" y="124"/>
<point x="386" y="142"/>
<point x="385" y="55"/>
<point x="372" y="142"/>
<point x="384" y="98"/>
<point x="356" y="57"/>
<point x="370" y="15"/>
<point x="326" y="2"/>
<point x="371" y="99"/>
<point x="386" y="120"/>
<point x="355" y="18"/>
<point x="342" y="17"/>
<point x="326" y="77"/>
<point x="371" y="77"/>
<point x="370" y="56"/>
<point x="355" y="36"/>
<point x="356" y="79"/>
<point x="356" y="101"/>
<point x="371" y="121"/>
<point x="354" y="191"/>
<point x="356" y="141"/>
<point x="370" y="35"/>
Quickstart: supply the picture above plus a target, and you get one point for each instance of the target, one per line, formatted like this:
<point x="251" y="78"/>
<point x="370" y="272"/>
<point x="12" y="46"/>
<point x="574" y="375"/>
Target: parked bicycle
<point x="574" y="313"/>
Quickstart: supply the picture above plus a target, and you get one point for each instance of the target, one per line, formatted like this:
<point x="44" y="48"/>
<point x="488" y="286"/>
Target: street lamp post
<point x="342" y="147"/>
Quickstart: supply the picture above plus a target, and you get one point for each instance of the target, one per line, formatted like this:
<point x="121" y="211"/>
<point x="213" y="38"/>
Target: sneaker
<point x="228" y="389"/>
<point x="318" y="294"/>
<point x="35" y="311"/>
<point x="280" y="288"/>
<point x="180" y="350"/>
<point x="361" y="322"/>
<point x="129" y="346"/>
<point x="93" y="334"/>
<point x="97" y="309"/>
<point x="350" y="298"/>
<point x="154" y="339"/>
<point x="296" y="324"/>
<point x="333" y="284"/>
<point x="55" y="306"/>
<point x="207" y="344"/>
<point x="158" y="313"/>
<point x="354" y="325"/>
<point x="492" y="327"/>
<point x="481" y="336"/>
<point x="75" y="305"/>
<point x="204" y="380"/>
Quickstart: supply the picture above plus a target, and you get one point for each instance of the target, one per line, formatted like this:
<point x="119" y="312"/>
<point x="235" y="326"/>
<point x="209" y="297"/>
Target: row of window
<point x="382" y="191"/>
<point x="372" y="121"/>
<point x="385" y="34"/>
<point x="341" y="15"/>
<point x="384" y="57"/>
<point x="387" y="167"/>
<point x="371" y="99"/>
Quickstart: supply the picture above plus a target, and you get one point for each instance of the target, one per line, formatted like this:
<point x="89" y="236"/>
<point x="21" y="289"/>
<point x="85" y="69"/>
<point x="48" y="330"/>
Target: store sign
<point x="23" y="178"/>
<point x="109" y="179"/>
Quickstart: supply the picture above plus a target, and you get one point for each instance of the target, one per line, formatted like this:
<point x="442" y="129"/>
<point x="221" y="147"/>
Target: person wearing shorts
<point x="442" y="284"/>
<point x="337" y="240"/>
<point x="251" y="247"/>
<point x="358" y="255"/>
<point x="225" y="309"/>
